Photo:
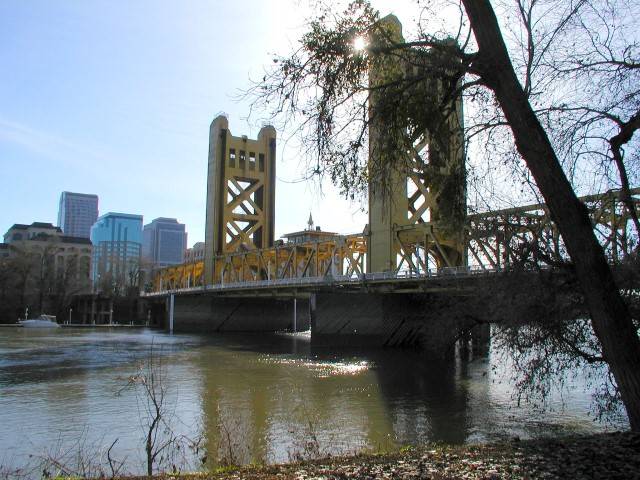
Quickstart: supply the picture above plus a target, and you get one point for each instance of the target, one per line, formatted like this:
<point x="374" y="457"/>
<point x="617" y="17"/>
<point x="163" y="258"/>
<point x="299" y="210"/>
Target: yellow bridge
<point x="420" y="251"/>
<point x="418" y="220"/>
<point x="494" y="241"/>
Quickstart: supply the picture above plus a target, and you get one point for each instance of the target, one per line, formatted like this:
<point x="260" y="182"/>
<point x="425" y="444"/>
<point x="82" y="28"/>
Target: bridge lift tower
<point x="417" y="180"/>
<point x="240" y="193"/>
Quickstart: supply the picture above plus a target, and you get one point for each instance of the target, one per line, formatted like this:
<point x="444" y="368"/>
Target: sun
<point x="359" y="44"/>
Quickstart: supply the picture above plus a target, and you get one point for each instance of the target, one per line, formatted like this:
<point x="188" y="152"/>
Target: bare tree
<point x="81" y="458"/>
<point x="326" y="85"/>
<point x="163" y="447"/>
<point x="22" y="268"/>
<point x="587" y="54"/>
<point x="71" y="278"/>
<point x="41" y="277"/>
<point x="610" y="317"/>
<point x="6" y="289"/>
<point x="150" y="382"/>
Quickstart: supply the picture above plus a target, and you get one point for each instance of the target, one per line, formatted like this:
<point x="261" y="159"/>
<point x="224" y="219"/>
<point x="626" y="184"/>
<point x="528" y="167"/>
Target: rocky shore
<point x="602" y="456"/>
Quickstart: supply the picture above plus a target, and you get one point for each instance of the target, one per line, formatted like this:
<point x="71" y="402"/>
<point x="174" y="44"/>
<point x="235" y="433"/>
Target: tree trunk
<point x="609" y="315"/>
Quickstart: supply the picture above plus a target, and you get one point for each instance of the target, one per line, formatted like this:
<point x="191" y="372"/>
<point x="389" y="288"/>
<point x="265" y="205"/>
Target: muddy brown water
<point x="257" y="398"/>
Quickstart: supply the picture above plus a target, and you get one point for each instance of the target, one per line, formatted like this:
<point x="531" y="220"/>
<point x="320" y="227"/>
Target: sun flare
<point x="359" y="44"/>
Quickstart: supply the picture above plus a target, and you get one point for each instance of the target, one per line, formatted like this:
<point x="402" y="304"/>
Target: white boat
<point x="43" y="321"/>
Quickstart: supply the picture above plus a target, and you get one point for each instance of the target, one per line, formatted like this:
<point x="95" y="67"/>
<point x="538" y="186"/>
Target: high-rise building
<point x="117" y="247"/>
<point x="164" y="242"/>
<point x="77" y="212"/>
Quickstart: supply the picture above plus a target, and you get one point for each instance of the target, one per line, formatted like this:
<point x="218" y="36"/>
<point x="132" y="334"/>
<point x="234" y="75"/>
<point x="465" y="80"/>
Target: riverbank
<point x="610" y="455"/>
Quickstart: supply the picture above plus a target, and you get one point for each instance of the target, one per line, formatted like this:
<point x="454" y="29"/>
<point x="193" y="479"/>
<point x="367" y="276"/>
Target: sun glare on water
<point x="322" y="369"/>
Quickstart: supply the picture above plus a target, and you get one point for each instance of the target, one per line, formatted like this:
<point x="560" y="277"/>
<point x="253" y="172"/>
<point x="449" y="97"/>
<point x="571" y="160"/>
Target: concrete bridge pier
<point x="391" y="319"/>
<point x="480" y="340"/>
<point x="336" y="319"/>
<point x="202" y="314"/>
<point x="474" y="342"/>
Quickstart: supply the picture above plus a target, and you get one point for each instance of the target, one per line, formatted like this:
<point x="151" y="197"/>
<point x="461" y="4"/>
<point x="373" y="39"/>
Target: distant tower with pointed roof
<point x="311" y="234"/>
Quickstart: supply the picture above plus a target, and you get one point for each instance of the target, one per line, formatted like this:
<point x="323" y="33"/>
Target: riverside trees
<point x="539" y="120"/>
<point x="31" y="277"/>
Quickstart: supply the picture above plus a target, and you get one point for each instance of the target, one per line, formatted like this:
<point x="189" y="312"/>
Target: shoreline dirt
<point x="608" y="455"/>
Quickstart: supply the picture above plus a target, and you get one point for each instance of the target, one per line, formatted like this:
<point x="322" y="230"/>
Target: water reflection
<point x="260" y="398"/>
<point x="424" y="397"/>
<point x="265" y="403"/>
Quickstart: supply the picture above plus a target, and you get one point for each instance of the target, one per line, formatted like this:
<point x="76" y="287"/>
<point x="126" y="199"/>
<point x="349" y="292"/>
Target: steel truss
<point x="503" y="238"/>
<point x="340" y="257"/>
<point x="495" y="240"/>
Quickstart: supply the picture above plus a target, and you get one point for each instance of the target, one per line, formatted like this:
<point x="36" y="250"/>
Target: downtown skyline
<point x="118" y="102"/>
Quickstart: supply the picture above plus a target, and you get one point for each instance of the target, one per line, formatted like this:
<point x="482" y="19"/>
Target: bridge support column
<point x="172" y="301"/>
<point x="234" y="314"/>
<point x="417" y="180"/>
<point x="392" y="319"/>
<point x="295" y="314"/>
<point x="480" y="340"/>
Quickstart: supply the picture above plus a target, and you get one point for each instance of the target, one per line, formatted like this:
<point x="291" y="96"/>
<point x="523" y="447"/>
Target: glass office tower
<point x="117" y="248"/>
<point x="165" y="241"/>
<point x="77" y="212"/>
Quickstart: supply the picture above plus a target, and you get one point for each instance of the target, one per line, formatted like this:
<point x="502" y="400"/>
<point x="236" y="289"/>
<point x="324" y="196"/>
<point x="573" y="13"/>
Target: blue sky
<point x="116" y="98"/>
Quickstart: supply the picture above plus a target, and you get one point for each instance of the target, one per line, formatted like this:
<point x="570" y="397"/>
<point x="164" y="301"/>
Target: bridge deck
<point x="433" y="280"/>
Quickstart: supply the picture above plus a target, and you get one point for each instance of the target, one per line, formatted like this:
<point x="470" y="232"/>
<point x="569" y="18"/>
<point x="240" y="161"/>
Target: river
<point x="253" y="398"/>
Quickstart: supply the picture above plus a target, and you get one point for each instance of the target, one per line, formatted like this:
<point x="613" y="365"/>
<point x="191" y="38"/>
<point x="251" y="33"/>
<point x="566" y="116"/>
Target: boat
<point x="43" y="321"/>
